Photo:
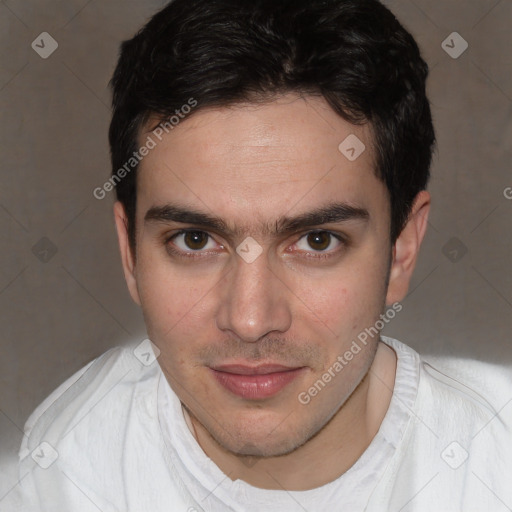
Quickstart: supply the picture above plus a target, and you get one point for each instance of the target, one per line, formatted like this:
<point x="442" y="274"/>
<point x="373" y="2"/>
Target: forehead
<point x="254" y="162"/>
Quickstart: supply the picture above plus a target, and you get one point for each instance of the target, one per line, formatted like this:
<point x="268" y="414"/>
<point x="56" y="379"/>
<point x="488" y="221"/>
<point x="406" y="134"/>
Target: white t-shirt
<point x="113" y="438"/>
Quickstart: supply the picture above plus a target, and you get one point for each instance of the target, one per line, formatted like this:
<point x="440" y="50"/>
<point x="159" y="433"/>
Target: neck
<point x="330" y="453"/>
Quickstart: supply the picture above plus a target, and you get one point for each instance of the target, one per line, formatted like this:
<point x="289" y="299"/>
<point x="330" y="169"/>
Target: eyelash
<point x="198" y="254"/>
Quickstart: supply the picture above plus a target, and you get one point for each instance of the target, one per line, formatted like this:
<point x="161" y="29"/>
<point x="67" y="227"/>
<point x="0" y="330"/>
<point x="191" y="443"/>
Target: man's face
<point x="241" y="338"/>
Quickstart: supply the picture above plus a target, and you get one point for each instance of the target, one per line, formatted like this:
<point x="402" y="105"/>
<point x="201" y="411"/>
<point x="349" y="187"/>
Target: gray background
<point x="61" y="309"/>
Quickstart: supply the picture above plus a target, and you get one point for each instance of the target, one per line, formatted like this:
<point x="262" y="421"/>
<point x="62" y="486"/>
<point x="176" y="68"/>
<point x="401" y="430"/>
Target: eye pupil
<point x="319" y="240"/>
<point x="195" y="239"/>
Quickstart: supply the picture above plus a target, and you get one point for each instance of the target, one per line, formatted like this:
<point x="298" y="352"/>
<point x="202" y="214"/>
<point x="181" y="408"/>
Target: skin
<point x="252" y="165"/>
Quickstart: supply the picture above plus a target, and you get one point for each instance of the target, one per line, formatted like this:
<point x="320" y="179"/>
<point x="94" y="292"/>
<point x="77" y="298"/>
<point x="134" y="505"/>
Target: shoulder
<point x="486" y="385"/>
<point x="463" y="400"/>
<point x="80" y="440"/>
<point x="453" y="394"/>
<point x="106" y="383"/>
<point x="459" y="432"/>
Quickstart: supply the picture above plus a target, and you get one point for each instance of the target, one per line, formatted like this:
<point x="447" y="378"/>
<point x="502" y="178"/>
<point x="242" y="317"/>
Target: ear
<point x="406" y="248"/>
<point x="127" y="257"/>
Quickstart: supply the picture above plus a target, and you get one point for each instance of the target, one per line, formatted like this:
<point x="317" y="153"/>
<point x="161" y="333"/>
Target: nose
<point x="253" y="301"/>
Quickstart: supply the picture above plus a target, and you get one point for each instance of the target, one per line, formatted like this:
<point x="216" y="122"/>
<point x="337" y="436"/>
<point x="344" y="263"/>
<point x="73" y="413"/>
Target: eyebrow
<point x="330" y="213"/>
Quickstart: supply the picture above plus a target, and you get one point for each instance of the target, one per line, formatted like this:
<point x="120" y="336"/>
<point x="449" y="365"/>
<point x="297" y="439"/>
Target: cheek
<point x="170" y="302"/>
<point x="175" y="318"/>
<point x="344" y="300"/>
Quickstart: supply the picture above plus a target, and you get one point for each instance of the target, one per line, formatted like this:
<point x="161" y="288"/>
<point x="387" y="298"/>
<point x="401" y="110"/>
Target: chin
<point x="255" y="437"/>
<point x="265" y="447"/>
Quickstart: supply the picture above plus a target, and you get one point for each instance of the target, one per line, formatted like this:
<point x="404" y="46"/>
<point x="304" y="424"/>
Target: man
<point x="270" y="161"/>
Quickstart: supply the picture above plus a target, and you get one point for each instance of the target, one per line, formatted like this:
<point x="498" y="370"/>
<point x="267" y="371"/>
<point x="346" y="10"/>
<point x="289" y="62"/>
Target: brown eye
<point x="192" y="243"/>
<point x="195" y="240"/>
<point x="319" y="241"/>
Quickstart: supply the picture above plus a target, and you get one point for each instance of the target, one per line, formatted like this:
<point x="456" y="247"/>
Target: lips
<point x="255" y="382"/>
<point x="263" y="369"/>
